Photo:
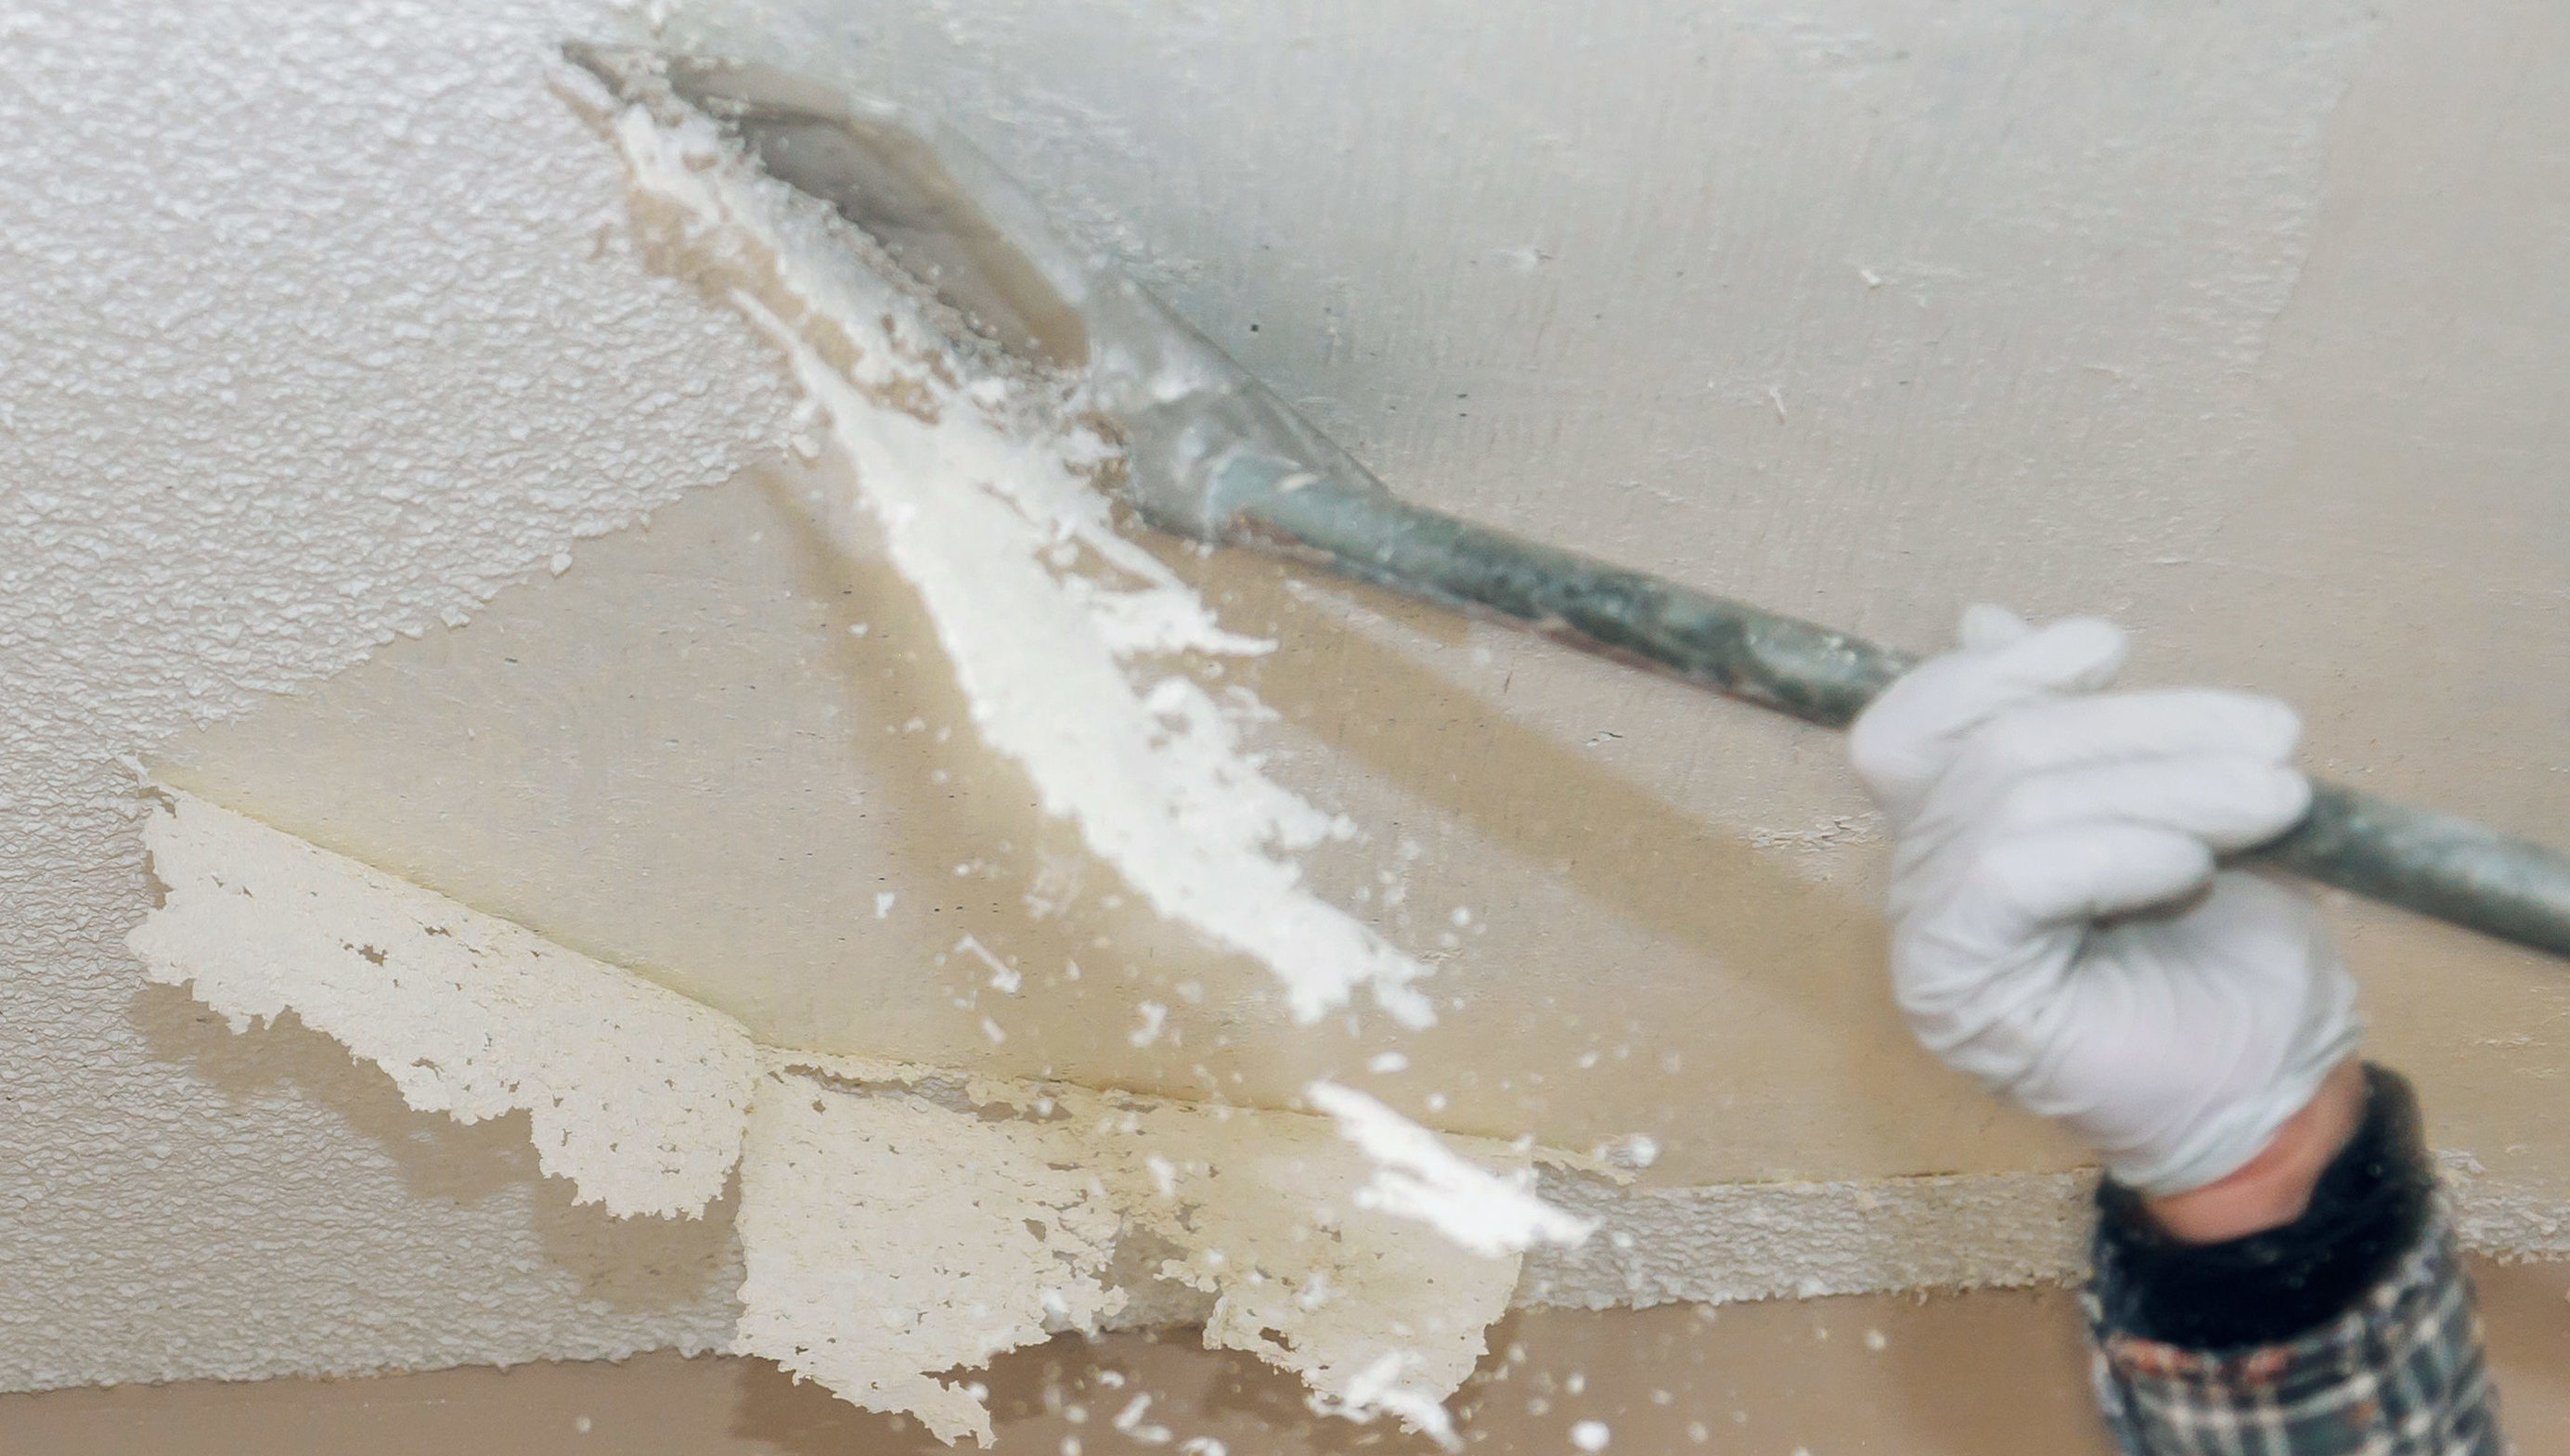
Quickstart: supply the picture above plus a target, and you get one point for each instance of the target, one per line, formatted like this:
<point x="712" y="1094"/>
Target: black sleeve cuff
<point x="2368" y="1209"/>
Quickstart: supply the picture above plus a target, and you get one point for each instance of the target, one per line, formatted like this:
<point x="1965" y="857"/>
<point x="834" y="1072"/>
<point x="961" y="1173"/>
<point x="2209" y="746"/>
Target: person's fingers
<point x="1909" y="736"/>
<point x="2016" y="885"/>
<point x="2059" y="734"/>
<point x="2279" y="928"/>
<point x="2074" y="655"/>
<point x="2106" y="727"/>
<point x="2228" y="803"/>
<point x="1986" y="628"/>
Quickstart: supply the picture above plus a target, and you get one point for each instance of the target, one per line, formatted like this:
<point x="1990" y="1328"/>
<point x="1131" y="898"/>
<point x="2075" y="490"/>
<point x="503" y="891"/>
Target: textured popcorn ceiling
<point x="2243" y="325"/>
<point x="319" y="331"/>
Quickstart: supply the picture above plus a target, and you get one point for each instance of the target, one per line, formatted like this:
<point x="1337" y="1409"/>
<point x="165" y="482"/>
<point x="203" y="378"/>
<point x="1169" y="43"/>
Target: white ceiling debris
<point x="985" y="507"/>
<point x="887" y="1236"/>
<point x="1417" y="1177"/>
<point x="637" y="1093"/>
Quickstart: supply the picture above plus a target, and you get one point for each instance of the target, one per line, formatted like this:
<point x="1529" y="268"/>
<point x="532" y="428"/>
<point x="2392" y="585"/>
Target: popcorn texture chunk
<point x="637" y="1094"/>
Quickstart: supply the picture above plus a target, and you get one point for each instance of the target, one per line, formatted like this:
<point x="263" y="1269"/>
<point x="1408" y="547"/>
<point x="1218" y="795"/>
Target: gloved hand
<point x="2061" y="932"/>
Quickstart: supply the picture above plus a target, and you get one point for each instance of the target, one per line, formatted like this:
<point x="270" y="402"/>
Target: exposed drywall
<point x="2240" y="324"/>
<point x="1069" y="642"/>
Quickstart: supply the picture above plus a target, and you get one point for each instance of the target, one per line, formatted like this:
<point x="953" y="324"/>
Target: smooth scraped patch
<point x="637" y="1094"/>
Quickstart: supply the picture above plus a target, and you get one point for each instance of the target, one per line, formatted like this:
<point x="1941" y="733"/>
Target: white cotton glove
<point x="2032" y="810"/>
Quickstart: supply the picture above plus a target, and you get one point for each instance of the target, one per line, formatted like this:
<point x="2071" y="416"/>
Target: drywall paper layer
<point x="637" y="1094"/>
<point x="732" y="705"/>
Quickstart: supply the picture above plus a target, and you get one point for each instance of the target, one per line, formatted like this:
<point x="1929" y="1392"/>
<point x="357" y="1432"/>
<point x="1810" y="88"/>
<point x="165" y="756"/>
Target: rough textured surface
<point x="319" y="333"/>
<point x="1779" y="1240"/>
<point x="635" y="1094"/>
<point x="890" y="1238"/>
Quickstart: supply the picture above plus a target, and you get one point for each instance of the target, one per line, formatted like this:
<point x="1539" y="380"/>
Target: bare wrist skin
<point x="2274" y="1188"/>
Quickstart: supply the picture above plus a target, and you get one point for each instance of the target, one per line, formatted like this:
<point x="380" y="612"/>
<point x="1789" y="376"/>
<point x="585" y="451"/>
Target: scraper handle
<point x="2433" y="864"/>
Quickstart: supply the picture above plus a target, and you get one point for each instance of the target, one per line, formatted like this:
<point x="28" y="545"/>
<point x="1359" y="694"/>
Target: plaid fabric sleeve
<point x="2398" y="1374"/>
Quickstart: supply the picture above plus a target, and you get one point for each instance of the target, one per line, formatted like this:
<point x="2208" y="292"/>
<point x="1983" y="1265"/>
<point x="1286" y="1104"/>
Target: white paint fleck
<point x="1417" y="1177"/>
<point x="1633" y="1150"/>
<point x="1593" y="1435"/>
<point x="1130" y="1422"/>
<point x="1155" y="1016"/>
<point x="1004" y="979"/>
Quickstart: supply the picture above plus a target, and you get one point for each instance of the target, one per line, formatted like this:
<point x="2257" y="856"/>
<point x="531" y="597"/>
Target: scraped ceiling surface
<point x="328" y="328"/>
